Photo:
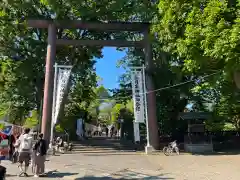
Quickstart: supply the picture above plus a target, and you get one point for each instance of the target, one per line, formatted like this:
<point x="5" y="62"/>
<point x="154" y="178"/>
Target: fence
<point x="221" y="139"/>
<point x="225" y="139"/>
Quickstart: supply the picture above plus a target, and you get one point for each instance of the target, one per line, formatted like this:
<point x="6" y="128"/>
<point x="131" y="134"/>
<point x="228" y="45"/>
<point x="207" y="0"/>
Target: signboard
<point x="16" y="130"/>
<point x="9" y="129"/>
<point x="138" y="96"/>
<point x="194" y="115"/>
<point x="4" y="150"/>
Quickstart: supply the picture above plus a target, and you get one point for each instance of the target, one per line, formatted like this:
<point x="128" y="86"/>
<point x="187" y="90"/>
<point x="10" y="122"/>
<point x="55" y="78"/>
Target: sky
<point x="106" y="67"/>
<point x="107" y="70"/>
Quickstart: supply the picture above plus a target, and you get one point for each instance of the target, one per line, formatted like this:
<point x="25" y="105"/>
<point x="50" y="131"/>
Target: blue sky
<point x="107" y="70"/>
<point x="106" y="67"/>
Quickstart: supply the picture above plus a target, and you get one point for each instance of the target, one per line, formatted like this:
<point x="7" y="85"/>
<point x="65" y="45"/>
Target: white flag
<point x="62" y="81"/>
<point x="138" y="96"/>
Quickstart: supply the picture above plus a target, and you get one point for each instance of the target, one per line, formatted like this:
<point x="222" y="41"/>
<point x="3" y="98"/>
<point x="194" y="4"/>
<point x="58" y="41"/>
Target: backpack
<point x="26" y="142"/>
<point x="41" y="148"/>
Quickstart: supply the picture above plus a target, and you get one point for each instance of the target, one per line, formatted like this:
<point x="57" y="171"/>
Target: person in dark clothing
<point x="11" y="142"/>
<point x="40" y="151"/>
<point x="84" y="131"/>
<point x="107" y="131"/>
<point x="112" y="131"/>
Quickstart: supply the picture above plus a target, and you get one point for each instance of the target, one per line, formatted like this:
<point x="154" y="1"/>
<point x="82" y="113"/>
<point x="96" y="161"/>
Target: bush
<point x="32" y="121"/>
<point x="59" y="129"/>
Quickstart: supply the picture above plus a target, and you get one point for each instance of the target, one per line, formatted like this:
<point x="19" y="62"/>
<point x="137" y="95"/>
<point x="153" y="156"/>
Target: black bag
<point x="3" y="172"/>
<point x="41" y="147"/>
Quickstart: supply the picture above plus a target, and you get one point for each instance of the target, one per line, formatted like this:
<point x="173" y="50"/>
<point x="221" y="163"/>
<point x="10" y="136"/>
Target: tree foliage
<point x="203" y="34"/>
<point x="23" y="50"/>
<point x="191" y="39"/>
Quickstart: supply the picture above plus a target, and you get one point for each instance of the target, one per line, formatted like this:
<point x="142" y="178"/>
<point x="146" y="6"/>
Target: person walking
<point x="24" y="145"/>
<point x="107" y="130"/>
<point x="40" y="151"/>
<point x="112" y="131"/>
<point x="11" y="142"/>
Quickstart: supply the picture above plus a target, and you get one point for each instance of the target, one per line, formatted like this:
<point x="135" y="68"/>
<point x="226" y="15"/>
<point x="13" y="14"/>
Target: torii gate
<point x="113" y="27"/>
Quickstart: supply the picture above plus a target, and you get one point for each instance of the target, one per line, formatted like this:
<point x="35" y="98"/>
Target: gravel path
<point x="111" y="164"/>
<point x="200" y="167"/>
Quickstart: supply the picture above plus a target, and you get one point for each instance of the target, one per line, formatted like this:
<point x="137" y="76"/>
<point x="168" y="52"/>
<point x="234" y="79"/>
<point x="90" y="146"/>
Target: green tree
<point x="203" y="35"/>
<point x="23" y="50"/>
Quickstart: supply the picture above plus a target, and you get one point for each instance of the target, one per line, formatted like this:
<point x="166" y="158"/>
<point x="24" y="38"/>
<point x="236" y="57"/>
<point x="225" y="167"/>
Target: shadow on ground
<point x="109" y="154"/>
<point x="219" y="153"/>
<point x="119" y="175"/>
<point x="160" y="177"/>
<point x="128" y="174"/>
<point x="56" y="174"/>
<point x="10" y="175"/>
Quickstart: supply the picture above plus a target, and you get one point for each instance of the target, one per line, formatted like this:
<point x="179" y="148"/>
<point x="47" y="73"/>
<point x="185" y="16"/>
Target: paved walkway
<point x="111" y="164"/>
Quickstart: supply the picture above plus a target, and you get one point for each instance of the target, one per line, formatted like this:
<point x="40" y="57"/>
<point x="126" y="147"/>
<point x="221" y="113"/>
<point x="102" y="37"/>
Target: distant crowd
<point x="100" y="130"/>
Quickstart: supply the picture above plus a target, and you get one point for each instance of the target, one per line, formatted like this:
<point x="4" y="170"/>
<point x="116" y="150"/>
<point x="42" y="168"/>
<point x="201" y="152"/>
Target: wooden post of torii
<point x="112" y="27"/>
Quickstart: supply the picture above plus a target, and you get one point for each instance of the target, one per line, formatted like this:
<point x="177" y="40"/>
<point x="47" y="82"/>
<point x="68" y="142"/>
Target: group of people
<point x="24" y="151"/>
<point x="99" y="130"/>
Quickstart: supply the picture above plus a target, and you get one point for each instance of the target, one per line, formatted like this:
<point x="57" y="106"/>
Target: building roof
<point x="194" y="115"/>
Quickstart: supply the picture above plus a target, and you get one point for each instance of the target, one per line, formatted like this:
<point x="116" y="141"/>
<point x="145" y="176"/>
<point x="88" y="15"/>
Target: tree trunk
<point x="237" y="78"/>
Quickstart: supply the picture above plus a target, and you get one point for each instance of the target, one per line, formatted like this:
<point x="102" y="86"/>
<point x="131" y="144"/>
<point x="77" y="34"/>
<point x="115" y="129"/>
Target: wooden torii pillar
<point x="112" y="27"/>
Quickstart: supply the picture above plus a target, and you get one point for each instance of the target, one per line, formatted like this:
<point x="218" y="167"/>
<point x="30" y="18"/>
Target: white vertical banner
<point x="138" y="95"/>
<point x="62" y="81"/>
<point x="136" y="132"/>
